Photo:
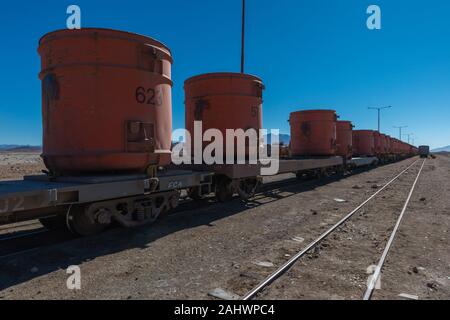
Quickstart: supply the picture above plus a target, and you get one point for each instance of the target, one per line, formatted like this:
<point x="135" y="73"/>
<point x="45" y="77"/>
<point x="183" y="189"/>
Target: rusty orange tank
<point x="107" y="101"/>
<point x="394" y="146"/>
<point x="378" y="142"/>
<point x="398" y="149"/>
<point x="384" y="144"/>
<point x="364" y="143"/>
<point x="313" y="133"/>
<point x="388" y="144"/>
<point x="344" y="134"/>
<point x="224" y="101"/>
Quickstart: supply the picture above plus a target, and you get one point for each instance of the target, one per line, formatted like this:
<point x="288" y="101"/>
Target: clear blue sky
<point x="310" y="54"/>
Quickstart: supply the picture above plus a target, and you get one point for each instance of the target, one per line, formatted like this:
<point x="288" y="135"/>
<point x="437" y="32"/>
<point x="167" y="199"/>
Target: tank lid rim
<point x="41" y="40"/>
<point x="314" y="111"/>
<point x="344" y="121"/>
<point x="223" y="75"/>
<point x="365" y="131"/>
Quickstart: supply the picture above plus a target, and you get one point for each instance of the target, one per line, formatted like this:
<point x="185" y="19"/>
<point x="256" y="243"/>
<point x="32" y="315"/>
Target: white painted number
<point x="74" y="20"/>
<point x="175" y="185"/>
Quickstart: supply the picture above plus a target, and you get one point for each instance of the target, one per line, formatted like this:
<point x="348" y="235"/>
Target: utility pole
<point x="379" y="114"/>
<point x="400" y="130"/>
<point x="243" y="38"/>
<point x="409" y="135"/>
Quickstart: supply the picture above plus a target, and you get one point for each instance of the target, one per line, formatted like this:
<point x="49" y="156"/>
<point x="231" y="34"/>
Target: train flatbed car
<point x="93" y="202"/>
<point x="363" y="162"/>
<point x="244" y="179"/>
<point x="243" y="171"/>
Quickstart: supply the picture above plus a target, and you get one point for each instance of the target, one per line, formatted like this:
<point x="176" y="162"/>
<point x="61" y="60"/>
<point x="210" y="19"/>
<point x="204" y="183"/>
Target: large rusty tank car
<point x="384" y="144"/>
<point x="378" y="143"/>
<point x="106" y="101"/>
<point x="364" y="143"/>
<point x="397" y="146"/>
<point x="388" y="144"/>
<point x="344" y="134"/>
<point x="313" y="133"/>
<point x="224" y="101"/>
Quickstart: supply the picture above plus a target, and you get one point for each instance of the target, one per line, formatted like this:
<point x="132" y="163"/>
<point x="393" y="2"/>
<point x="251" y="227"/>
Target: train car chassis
<point x="87" y="205"/>
<point x="244" y="179"/>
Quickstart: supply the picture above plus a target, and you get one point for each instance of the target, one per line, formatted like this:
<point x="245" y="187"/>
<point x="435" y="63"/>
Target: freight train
<point x="107" y="124"/>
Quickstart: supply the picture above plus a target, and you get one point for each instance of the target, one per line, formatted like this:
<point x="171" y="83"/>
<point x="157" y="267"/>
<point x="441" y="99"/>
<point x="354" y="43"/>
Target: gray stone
<point x="265" y="264"/>
<point x="408" y="296"/>
<point x="219" y="293"/>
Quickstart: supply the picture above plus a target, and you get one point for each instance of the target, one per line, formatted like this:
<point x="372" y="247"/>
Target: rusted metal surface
<point x="384" y="144"/>
<point x="40" y="192"/>
<point x="344" y="134"/>
<point x="364" y="143"/>
<point x="313" y="133"/>
<point x="106" y="101"/>
<point x="378" y="143"/>
<point x="224" y="101"/>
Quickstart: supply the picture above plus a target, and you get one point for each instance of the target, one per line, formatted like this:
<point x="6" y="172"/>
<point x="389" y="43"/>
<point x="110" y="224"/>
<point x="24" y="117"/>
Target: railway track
<point x="22" y="225"/>
<point x="372" y="284"/>
<point x="24" y="235"/>
<point x="283" y="269"/>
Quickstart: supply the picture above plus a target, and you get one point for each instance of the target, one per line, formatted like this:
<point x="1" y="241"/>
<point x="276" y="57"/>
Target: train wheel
<point x="224" y="190"/>
<point x="248" y="188"/>
<point x="322" y="174"/>
<point x="83" y="223"/>
<point x="194" y="193"/>
<point x="56" y="223"/>
<point x="300" y="176"/>
<point x="341" y="171"/>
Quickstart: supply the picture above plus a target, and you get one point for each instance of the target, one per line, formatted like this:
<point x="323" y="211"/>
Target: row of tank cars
<point x="107" y="124"/>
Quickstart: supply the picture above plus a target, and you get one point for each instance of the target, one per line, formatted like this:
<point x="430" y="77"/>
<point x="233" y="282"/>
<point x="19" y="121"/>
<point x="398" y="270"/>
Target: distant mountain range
<point x="283" y="138"/>
<point x="19" y="148"/>
<point x="443" y="149"/>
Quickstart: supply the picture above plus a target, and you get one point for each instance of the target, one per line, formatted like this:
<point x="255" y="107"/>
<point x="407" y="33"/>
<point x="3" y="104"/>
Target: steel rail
<point x="285" y="267"/>
<point x="374" y="279"/>
<point x="10" y="255"/>
<point x="24" y="235"/>
<point x="10" y="227"/>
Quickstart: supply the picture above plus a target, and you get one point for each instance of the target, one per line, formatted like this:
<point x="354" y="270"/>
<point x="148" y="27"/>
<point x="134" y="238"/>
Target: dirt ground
<point x="17" y="165"/>
<point x="234" y="246"/>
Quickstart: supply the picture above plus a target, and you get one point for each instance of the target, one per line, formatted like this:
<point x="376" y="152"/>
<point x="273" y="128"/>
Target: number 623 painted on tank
<point x="149" y="96"/>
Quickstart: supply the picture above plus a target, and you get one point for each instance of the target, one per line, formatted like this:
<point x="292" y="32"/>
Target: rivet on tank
<point x="106" y="101"/>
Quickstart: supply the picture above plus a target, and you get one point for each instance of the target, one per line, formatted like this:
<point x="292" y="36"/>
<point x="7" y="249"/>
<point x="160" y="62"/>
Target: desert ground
<point x="233" y="246"/>
<point x="15" y="165"/>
